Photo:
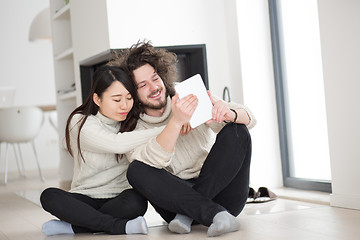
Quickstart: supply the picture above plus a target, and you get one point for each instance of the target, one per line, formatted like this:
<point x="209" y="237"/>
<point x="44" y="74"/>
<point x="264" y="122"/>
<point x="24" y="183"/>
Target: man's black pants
<point x="223" y="183"/>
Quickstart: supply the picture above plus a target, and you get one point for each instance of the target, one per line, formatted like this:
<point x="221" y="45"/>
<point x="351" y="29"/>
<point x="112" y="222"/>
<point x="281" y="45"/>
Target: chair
<point x="20" y="125"/>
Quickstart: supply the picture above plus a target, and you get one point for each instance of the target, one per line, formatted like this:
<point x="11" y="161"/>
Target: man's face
<point x="150" y="88"/>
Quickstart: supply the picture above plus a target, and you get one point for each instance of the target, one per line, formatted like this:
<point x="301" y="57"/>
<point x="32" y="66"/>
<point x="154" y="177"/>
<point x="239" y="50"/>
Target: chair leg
<point x="37" y="161"/>
<point x="0" y="152"/>
<point x="18" y="158"/>
<point x="21" y="160"/>
<point x="6" y="161"/>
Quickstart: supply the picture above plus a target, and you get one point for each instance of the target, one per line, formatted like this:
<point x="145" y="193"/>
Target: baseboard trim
<point x="345" y="201"/>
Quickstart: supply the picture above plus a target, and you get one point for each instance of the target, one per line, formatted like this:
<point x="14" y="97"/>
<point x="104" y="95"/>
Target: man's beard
<point x="157" y="106"/>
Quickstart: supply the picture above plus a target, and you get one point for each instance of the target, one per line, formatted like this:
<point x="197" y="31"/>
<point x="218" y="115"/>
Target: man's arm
<point x="230" y="112"/>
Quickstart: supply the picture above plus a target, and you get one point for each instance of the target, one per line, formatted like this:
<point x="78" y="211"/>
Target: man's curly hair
<point x="141" y="53"/>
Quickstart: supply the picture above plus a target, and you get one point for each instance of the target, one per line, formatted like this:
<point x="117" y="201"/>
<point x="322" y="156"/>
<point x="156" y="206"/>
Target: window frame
<point x="283" y="118"/>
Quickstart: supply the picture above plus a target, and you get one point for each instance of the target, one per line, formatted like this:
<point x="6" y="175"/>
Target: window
<point x="300" y="94"/>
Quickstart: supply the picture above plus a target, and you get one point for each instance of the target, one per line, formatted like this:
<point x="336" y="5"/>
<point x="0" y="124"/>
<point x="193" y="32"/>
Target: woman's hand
<point x="220" y="112"/>
<point x="183" y="109"/>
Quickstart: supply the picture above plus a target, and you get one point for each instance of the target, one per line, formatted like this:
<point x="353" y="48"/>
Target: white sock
<point x="54" y="227"/>
<point x="180" y="224"/>
<point x="223" y="222"/>
<point x="136" y="226"/>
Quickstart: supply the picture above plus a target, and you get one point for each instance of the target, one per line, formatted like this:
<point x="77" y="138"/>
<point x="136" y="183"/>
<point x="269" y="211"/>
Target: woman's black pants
<point x="223" y="183"/>
<point x="86" y="214"/>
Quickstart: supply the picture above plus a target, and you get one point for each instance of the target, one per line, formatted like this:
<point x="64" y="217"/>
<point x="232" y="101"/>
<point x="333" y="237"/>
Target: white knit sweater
<point x="190" y="151"/>
<point x="102" y="175"/>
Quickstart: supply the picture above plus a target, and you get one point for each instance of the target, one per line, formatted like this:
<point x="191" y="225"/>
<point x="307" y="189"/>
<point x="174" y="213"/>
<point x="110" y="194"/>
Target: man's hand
<point x="220" y="112"/>
<point x="185" y="129"/>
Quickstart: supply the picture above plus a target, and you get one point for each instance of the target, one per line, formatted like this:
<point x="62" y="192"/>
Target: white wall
<point x="340" y="38"/>
<point x="29" y="67"/>
<point x="259" y="91"/>
<point x="26" y="65"/>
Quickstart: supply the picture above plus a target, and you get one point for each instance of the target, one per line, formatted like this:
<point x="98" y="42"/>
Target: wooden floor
<point x="21" y="218"/>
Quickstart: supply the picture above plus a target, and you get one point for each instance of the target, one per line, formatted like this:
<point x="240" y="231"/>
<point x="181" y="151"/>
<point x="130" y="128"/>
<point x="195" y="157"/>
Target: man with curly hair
<point x="189" y="175"/>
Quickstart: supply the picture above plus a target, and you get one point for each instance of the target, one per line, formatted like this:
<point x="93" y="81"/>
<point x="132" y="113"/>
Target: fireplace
<point x="191" y="61"/>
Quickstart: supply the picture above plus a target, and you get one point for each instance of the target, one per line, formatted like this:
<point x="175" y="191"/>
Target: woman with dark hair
<point x="97" y="136"/>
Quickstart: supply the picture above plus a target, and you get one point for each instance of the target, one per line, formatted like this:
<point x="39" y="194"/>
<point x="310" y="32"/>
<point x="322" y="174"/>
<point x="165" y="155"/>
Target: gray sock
<point x="180" y="224"/>
<point x="136" y="226"/>
<point x="223" y="222"/>
<point x="55" y="227"/>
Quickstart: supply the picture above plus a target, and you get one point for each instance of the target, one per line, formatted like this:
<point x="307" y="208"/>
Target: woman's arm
<point x="94" y="137"/>
<point x="182" y="110"/>
<point x="158" y="151"/>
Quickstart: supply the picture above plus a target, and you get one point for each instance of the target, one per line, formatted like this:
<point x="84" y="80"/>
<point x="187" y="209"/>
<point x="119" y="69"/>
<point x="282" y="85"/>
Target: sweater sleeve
<point x="94" y="137"/>
<point x="151" y="154"/>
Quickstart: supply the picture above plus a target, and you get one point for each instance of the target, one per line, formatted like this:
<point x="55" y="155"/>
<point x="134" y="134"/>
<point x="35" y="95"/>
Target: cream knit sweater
<point x="190" y="151"/>
<point x="102" y="175"/>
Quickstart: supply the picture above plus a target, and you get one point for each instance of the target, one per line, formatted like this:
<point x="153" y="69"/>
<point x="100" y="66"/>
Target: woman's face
<point x="115" y="103"/>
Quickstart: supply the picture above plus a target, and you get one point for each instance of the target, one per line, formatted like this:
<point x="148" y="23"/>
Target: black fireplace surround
<point x="191" y="61"/>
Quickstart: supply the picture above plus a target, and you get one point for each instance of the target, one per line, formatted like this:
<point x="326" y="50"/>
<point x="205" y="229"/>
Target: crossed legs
<point x="221" y="187"/>
<point x="85" y="214"/>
